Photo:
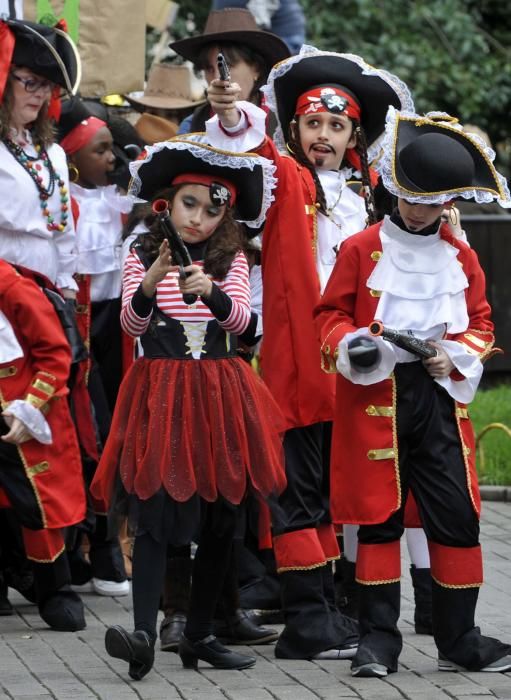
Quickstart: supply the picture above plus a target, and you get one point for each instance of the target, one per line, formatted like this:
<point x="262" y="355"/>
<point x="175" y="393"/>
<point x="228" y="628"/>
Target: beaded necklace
<point x="32" y="167"/>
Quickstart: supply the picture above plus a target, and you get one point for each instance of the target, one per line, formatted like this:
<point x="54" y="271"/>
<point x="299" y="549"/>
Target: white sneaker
<point x="110" y="588"/>
<point x="501" y="665"/>
<point x="337" y="654"/>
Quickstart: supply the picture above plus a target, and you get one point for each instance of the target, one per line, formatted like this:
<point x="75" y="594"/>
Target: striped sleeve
<point x="237" y="286"/>
<point x="133" y="274"/>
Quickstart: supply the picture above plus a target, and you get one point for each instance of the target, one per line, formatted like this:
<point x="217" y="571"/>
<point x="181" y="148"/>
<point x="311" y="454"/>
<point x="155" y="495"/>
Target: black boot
<point x="421" y="580"/>
<point x="311" y="627"/>
<point x="136" y="648"/>
<point x="214" y="653"/>
<point x="59" y="606"/>
<point x="380" y="640"/>
<point x="346" y="588"/>
<point x="233" y="625"/>
<point x="175" y="600"/>
<point x="461" y="646"/>
<point x="241" y="628"/>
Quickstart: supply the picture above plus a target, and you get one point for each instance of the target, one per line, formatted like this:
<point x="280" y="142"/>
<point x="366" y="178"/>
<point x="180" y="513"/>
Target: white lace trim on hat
<point x="399" y="87"/>
<point x="224" y="159"/>
<point x="386" y="161"/>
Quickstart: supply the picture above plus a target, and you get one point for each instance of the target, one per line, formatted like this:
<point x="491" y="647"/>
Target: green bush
<point x="494" y="455"/>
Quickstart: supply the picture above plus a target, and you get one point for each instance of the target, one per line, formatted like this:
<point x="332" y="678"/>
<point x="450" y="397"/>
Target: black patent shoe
<point x="171" y="629"/>
<point x="241" y="628"/>
<point x="210" y="650"/>
<point x="63" y="611"/>
<point x="136" y="648"/>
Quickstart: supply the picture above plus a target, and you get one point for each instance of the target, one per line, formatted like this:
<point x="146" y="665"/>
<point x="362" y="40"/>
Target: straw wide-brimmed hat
<point x="374" y="89"/>
<point x="47" y="51"/>
<point x="251" y="175"/>
<point x="169" y="86"/>
<point x="153" y="129"/>
<point x="234" y="24"/>
<point x="431" y="159"/>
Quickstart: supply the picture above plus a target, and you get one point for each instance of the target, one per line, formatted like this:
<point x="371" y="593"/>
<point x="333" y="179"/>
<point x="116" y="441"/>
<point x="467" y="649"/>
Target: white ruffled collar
<point x="109" y="194"/>
<point x="421" y="281"/>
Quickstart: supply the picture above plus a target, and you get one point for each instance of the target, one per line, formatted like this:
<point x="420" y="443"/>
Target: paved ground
<point x="39" y="664"/>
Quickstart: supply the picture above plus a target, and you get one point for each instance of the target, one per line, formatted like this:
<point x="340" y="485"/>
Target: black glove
<point x="364" y="354"/>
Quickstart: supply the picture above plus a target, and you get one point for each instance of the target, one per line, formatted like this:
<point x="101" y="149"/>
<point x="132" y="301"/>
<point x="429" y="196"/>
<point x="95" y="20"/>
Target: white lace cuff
<point x="380" y="372"/>
<point x="470" y="366"/>
<point x="246" y="136"/>
<point x="32" y="419"/>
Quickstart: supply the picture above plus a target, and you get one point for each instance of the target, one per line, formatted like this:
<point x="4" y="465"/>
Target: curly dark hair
<point x="296" y="149"/>
<point x="222" y="246"/>
<point x="42" y="130"/>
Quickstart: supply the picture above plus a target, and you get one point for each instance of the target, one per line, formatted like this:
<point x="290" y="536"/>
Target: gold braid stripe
<point x="378" y="583"/>
<point x="460" y="585"/>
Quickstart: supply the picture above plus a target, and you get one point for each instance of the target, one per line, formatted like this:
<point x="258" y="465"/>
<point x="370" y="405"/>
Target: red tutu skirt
<point x="205" y="427"/>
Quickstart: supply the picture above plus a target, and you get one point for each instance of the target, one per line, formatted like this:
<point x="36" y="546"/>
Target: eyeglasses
<point x="33" y="85"/>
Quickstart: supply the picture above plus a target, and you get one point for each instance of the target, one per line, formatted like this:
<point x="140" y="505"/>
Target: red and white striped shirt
<point x="170" y="299"/>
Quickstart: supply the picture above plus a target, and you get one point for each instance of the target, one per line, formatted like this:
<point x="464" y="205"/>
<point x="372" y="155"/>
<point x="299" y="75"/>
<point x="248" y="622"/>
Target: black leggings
<point x="209" y="569"/>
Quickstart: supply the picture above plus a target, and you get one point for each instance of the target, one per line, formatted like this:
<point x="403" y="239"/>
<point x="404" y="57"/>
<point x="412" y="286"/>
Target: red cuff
<point x="328" y="541"/>
<point x="297" y="551"/>
<point x="43" y="546"/>
<point x="378" y="563"/>
<point x="456" y="567"/>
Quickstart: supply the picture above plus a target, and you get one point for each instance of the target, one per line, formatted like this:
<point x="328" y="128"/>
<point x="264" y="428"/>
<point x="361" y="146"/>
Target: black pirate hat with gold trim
<point x="432" y="160"/>
<point x="47" y="51"/>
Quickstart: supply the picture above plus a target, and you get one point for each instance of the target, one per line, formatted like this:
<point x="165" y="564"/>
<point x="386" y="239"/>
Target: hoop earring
<point x="288" y="147"/>
<point x="74" y="173"/>
<point x="453" y="216"/>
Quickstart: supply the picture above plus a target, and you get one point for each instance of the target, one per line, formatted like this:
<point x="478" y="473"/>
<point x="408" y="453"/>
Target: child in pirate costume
<point x="40" y="468"/>
<point x="328" y="106"/>
<point x="98" y="210"/>
<point x="401" y="424"/>
<point x="192" y="418"/>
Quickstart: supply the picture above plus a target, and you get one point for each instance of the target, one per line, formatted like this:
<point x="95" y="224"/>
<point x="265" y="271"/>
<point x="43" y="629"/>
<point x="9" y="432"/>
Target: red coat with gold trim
<point x="290" y="352"/>
<point x="365" y="486"/>
<point x="39" y="377"/>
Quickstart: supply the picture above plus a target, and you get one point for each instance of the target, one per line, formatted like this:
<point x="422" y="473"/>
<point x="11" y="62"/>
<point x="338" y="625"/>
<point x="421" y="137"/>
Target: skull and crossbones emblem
<point x="334" y="103"/>
<point x="219" y="194"/>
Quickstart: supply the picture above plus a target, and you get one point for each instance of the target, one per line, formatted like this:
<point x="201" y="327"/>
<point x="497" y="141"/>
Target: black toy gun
<point x="178" y="249"/>
<point x="223" y="68"/>
<point x="407" y="342"/>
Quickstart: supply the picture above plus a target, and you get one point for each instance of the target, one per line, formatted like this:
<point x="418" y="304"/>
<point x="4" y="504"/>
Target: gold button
<point x="375" y="292"/>
<point x="326" y="349"/>
<point x="370" y="410"/>
<point x="376" y="255"/>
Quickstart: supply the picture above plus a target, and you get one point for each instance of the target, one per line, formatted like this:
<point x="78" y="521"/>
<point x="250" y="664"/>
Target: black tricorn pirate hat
<point x="373" y="88"/>
<point x="431" y="159"/>
<point x="47" y="51"/>
<point x="251" y="174"/>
